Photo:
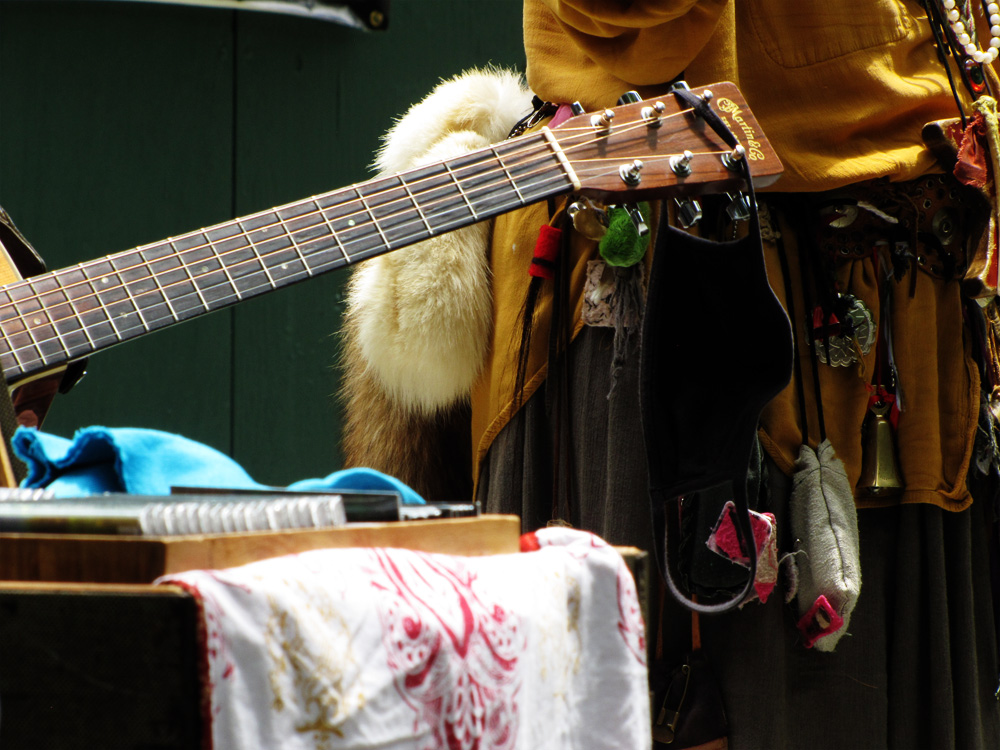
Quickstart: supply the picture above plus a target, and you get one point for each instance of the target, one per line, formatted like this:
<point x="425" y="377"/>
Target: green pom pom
<point x="622" y="245"/>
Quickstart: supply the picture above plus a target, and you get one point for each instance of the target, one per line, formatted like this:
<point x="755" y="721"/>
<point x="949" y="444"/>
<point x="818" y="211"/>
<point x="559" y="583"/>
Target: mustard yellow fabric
<point x="842" y="90"/>
<point x="938" y="389"/>
<point x="842" y="87"/>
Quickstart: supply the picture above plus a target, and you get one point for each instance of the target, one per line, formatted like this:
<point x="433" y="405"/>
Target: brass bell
<point x="880" y="475"/>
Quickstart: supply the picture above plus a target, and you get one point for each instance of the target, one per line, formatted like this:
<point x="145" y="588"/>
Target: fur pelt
<point x="418" y="320"/>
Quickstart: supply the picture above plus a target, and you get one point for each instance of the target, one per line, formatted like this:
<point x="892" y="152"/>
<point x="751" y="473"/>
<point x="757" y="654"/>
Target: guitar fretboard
<point x="68" y="314"/>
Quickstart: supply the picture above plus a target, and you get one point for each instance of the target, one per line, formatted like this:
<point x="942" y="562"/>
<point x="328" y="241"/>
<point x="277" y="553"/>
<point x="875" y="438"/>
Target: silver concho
<point x="842" y="349"/>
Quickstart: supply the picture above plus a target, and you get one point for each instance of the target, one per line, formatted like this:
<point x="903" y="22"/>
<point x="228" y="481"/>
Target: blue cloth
<point x="150" y="462"/>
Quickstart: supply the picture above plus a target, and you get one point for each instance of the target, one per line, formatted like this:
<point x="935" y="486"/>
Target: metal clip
<point x="739" y="208"/>
<point x="637" y="221"/>
<point x="688" y="212"/>
<point x="664" y="730"/>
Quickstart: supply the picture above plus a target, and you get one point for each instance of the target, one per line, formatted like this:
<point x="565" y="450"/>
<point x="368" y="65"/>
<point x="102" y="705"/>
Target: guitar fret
<point x="534" y="182"/>
<point x="144" y="289"/>
<point x="306" y="224"/>
<point x="416" y="205"/>
<point x="371" y="216"/>
<point x="225" y="269"/>
<point x="294" y="243"/>
<point x="33" y="318"/>
<point x="105" y="291"/>
<point x="510" y="177"/>
<point x="461" y="192"/>
<point x="333" y="233"/>
<point x="75" y="315"/>
<point x="70" y="313"/>
<point x="436" y="190"/>
<point x="167" y="268"/>
<point x="17" y="329"/>
<point x="8" y="308"/>
<point x="395" y="212"/>
<point x="86" y="302"/>
<point x="52" y="307"/>
<point x="257" y="254"/>
<point x="289" y="233"/>
<point x="135" y="304"/>
<point x="355" y="238"/>
<point x="164" y="295"/>
<point x="187" y="270"/>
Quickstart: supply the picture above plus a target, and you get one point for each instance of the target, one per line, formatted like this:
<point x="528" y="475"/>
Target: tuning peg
<point x="739" y="208"/>
<point x="629" y="97"/>
<point x="641" y="227"/>
<point x="631" y="173"/>
<point x="732" y="160"/>
<point x="688" y="212"/>
<point x="603" y="120"/>
<point x="651" y="115"/>
<point x="681" y="164"/>
<point x="576" y="108"/>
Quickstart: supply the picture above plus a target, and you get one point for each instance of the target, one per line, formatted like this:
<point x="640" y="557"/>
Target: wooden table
<point x="97" y="658"/>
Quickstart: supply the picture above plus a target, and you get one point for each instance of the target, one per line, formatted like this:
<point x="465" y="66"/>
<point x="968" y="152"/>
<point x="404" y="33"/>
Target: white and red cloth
<point x="391" y="648"/>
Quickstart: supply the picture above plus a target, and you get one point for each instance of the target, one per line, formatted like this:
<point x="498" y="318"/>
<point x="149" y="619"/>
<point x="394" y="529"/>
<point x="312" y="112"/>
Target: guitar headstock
<point x="660" y="147"/>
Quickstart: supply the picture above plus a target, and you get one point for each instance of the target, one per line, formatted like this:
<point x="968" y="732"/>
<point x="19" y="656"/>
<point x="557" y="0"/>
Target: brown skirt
<point x="919" y="666"/>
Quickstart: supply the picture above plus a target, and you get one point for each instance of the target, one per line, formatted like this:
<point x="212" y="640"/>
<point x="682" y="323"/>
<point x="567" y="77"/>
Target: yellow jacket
<point x="842" y="90"/>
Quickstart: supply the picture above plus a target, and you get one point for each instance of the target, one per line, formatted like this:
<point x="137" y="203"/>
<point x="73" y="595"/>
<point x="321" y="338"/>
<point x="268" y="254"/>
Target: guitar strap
<point x="19" y="260"/>
<point x="716" y="347"/>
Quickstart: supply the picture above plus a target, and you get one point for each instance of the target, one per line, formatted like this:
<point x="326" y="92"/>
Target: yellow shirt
<point x="842" y="90"/>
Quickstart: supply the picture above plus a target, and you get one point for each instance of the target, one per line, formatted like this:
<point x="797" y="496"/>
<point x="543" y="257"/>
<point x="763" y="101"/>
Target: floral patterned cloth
<point x="391" y="648"/>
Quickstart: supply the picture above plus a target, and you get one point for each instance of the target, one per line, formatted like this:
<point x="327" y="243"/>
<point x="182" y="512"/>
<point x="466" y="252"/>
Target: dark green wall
<point x="124" y="123"/>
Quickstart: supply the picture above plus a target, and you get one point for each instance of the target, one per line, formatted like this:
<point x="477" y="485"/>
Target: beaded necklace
<point x="953" y="23"/>
<point x="963" y="30"/>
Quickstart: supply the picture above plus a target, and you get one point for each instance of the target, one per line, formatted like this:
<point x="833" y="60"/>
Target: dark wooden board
<point x="83" y="669"/>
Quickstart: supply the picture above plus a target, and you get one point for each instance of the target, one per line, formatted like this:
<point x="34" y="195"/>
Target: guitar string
<point x="164" y="299"/>
<point x="251" y="247"/>
<point x="147" y="322"/>
<point x="528" y="151"/>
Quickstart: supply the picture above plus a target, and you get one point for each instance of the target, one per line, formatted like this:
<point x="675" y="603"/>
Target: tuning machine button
<point x="631" y="174"/>
<point x="603" y="120"/>
<point x="681" y="163"/>
<point x="651" y="115"/>
<point x="733" y="159"/>
<point x="629" y="97"/>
